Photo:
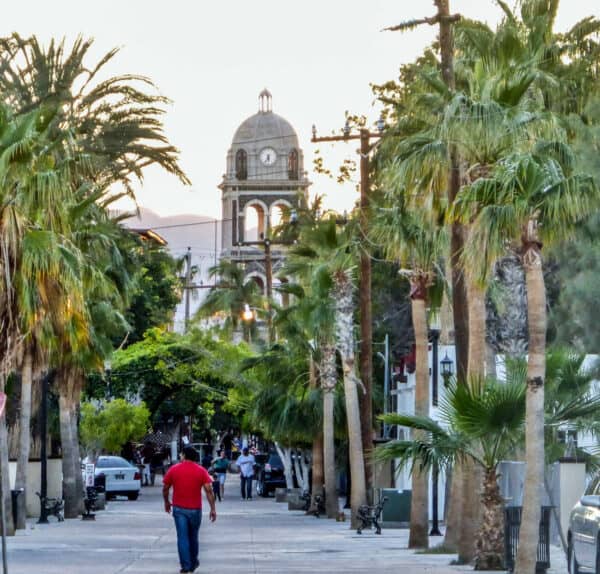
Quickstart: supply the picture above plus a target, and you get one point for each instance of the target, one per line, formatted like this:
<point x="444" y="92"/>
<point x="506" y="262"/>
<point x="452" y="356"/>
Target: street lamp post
<point x="434" y="337"/>
<point x="366" y="327"/>
<point x="447" y="369"/>
<point x="265" y="243"/>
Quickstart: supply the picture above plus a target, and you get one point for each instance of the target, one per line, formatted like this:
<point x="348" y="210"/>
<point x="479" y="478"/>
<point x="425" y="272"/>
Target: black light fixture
<point x="447" y="369"/>
<point x="380" y="124"/>
<point x="347" y="129"/>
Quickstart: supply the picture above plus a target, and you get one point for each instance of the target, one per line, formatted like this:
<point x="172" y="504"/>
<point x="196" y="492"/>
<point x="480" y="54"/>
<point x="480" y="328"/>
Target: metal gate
<point x="512" y="525"/>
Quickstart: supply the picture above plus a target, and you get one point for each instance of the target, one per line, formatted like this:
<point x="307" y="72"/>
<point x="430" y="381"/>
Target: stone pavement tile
<point x="249" y="537"/>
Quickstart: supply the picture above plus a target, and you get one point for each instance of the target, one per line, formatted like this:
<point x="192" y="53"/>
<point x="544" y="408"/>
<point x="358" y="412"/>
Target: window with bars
<point x="241" y="164"/>
<point x="293" y="164"/>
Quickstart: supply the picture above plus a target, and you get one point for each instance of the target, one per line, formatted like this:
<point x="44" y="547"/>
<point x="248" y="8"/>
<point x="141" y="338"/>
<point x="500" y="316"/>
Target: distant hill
<point x="181" y="232"/>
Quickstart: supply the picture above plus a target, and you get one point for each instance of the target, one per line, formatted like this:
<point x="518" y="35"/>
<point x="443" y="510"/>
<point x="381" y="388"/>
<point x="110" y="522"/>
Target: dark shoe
<point x="196" y="565"/>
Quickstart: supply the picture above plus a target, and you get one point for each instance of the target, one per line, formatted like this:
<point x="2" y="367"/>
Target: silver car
<point x="120" y="477"/>
<point x="584" y="532"/>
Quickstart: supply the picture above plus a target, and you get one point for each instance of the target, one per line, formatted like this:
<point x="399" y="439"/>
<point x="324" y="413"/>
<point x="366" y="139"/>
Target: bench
<point x="319" y="504"/>
<point x="370" y="516"/>
<point x="53" y="506"/>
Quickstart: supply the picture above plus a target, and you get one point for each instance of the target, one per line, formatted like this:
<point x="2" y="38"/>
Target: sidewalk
<point x="248" y="537"/>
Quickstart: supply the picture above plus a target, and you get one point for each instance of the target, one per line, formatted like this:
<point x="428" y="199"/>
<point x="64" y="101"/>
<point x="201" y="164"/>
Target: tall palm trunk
<point x="345" y="336"/>
<point x="471" y="511"/>
<point x="328" y="383"/>
<point x="70" y="383"/>
<point x="317" y="470"/>
<point x="476" y="302"/>
<point x="4" y="464"/>
<point x="490" y="537"/>
<point x="419" y="509"/>
<point x="24" y="434"/>
<point x="534" y="421"/>
<point x="317" y="449"/>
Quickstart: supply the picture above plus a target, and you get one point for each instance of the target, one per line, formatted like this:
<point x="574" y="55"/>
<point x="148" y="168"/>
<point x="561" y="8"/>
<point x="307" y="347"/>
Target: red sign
<point x="2" y="403"/>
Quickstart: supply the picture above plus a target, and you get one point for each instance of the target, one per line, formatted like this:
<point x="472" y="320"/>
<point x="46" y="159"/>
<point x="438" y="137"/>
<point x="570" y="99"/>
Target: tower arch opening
<point x="279" y="212"/>
<point x="255" y="220"/>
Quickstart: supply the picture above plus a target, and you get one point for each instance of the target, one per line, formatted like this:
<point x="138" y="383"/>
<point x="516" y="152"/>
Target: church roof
<point x="265" y="128"/>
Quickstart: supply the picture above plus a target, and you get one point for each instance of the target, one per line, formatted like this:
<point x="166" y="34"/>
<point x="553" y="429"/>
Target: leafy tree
<point x="157" y="291"/>
<point x="107" y="427"/>
<point x="173" y="374"/>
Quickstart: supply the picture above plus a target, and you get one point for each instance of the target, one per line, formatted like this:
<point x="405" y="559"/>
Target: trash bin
<point x="15" y="495"/>
<point x="512" y="525"/>
<point x="396" y="512"/>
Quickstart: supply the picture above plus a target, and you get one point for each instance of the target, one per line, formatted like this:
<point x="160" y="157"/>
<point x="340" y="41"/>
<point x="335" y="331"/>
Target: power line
<point x="211" y="222"/>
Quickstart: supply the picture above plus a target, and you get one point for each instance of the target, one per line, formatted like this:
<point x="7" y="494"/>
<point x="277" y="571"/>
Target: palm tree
<point x="417" y="245"/>
<point x="310" y="319"/>
<point x="115" y="126"/>
<point x="38" y="268"/>
<point x="326" y="251"/>
<point x="481" y="422"/>
<point x="530" y="199"/>
<point x="232" y="293"/>
<point x="314" y="312"/>
<point x="115" y="120"/>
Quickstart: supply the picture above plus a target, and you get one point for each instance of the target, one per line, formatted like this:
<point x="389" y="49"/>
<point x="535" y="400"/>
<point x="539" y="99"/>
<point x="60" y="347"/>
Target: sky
<point x="213" y="57"/>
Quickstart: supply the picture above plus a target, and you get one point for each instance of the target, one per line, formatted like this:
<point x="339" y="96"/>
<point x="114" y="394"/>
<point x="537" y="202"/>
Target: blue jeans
<point x="246" y="486"/>
<point x="187" y="524"/>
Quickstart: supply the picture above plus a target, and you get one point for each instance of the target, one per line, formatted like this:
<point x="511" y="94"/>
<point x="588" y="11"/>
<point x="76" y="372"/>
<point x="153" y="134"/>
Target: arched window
<point x="241" y="164"/>
<point x="293" y="164"/>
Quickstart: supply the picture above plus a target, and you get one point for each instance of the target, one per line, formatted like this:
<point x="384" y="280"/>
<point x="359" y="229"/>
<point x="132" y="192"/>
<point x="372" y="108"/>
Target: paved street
<point x="248" y="537"/>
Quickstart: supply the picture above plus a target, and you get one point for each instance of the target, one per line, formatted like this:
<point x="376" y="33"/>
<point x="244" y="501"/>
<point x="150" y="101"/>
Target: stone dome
<point x="265" y="129"/>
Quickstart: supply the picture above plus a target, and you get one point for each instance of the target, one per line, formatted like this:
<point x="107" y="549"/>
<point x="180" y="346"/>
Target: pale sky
<point x="212" y="58"/>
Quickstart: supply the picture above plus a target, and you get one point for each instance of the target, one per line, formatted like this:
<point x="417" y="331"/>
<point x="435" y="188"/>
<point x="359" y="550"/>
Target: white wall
<point x="34" y="483"/>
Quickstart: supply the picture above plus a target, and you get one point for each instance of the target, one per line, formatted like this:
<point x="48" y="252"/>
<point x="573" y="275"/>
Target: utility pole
<point x="3" y="399"/>
<point x="188" y="286"/>
<point x="43" y="454"/>
<point x="366" y="326"/>
<point x="266" y="245"/>
<point x="459" y="532"/>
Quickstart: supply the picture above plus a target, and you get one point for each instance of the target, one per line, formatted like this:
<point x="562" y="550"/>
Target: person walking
<point x="220" y="465"/>
<point x="188" y="479"/>
<point x="246" y="463"/>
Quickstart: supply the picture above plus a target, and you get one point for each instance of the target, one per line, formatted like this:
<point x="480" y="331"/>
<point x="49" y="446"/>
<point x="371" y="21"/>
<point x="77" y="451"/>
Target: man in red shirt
<point x="188" y="479"/>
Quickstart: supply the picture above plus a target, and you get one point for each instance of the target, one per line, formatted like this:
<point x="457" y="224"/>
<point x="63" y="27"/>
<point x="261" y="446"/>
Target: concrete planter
<point x="100" y="503"/>
<point x="281" y="494"/>
<point x="294" y="499"/>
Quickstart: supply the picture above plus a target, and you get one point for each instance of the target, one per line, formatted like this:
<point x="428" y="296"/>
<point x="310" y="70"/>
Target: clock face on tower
<point x="268" y="156"/>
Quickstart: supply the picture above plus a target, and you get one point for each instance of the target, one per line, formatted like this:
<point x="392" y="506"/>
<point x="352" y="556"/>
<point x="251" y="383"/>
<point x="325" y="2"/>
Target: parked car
<point x="269" y="473"/>
<point x="584" y="532"/>
<point x="118" y="477"/>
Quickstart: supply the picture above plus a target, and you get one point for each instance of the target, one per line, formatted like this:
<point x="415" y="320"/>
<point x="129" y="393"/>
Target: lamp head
<point x="247" y="314"/>
<point x="447" y="366"/>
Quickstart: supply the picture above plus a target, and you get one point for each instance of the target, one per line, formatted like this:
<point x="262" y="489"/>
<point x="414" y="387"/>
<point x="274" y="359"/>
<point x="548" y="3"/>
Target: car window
<point x="274" y="460"/>
<point x="261" y="458"/>
<point x="112" y="462"/>
<point x="593" y="487"/>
